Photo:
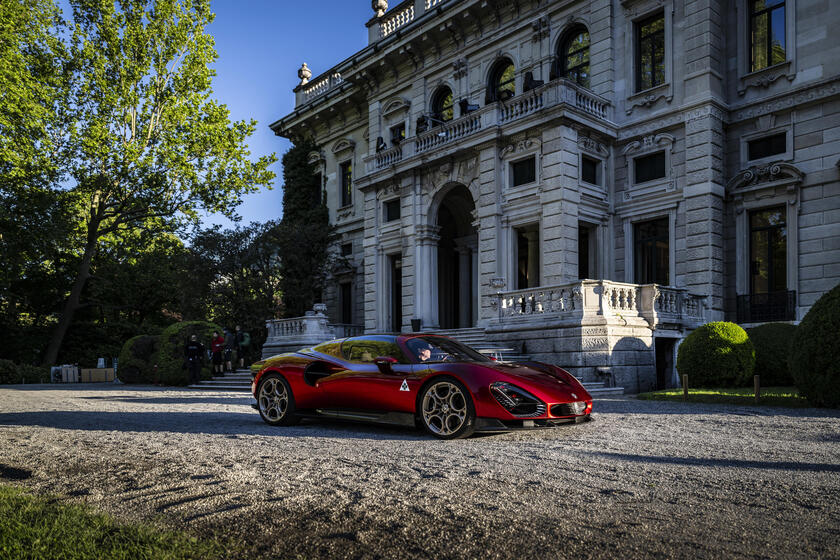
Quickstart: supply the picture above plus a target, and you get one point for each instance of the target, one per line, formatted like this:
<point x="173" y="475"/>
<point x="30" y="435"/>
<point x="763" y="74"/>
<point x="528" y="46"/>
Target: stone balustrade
<point x="649" y="304"/>
<point x="398" y="17"/>
<point x="495" y="114"/>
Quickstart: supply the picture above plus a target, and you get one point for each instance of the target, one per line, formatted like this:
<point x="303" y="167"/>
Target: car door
<point x="363" y="385"/>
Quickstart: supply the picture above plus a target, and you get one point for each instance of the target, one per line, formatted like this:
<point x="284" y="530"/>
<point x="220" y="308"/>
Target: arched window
<point x="574" y="56"/>
<point x="502" y="85"/>
<point x="442" y="108"/>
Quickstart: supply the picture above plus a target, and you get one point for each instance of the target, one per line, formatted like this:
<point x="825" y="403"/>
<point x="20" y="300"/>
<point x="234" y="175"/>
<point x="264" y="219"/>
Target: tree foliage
<point x="121" y="104"/>
<point x="304" y="234"/>
<point x="814" y="359"/>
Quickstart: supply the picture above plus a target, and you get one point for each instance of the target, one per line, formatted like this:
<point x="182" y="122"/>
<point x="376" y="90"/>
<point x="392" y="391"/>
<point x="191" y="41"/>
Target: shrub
<point x="135" y="361"/>
<point x="814" y="359"/>
<point x="170" y="353"/>
<point x="772" y="348"/>
<point x="717" y="354"/>
<point x="11" y="372"/>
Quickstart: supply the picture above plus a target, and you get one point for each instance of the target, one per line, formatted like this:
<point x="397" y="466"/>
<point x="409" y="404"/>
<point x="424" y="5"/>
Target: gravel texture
<point x="644" y="479"/>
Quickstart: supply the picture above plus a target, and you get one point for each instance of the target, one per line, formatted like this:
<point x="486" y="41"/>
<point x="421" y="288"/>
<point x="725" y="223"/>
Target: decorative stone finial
<point x="379" y="6"/>
<point x="304" y="73"/>
<point x="319" y="308"/>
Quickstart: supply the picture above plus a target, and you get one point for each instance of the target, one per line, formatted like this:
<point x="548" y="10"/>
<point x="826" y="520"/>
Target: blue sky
<point x="261" y="44"/>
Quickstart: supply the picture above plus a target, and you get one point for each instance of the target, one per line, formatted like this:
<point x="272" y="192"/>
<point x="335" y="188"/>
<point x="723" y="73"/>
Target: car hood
<point x="541" y="378"/>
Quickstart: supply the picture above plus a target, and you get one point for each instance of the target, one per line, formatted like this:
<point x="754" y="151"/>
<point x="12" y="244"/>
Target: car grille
<point x="529" y="410"/>
<point x="568" y="409"/>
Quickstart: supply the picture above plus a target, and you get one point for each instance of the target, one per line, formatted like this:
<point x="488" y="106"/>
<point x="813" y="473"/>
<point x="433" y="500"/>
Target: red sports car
<point x="416" y="380"/>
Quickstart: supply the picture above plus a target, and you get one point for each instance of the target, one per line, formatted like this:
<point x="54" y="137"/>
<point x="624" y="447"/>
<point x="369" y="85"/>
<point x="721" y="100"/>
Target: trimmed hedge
<point x="814" y="359"/>
<point x="12" y="373"/>
<point x="135" y="361"/>
<point x="170" y="353"/>
<point x="772" y="347"/>
<point x="717" y="354"/>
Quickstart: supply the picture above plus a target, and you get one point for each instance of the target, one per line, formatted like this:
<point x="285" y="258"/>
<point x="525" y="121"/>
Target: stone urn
<point x="304" y="73"/>
<point x="379" y="6"/>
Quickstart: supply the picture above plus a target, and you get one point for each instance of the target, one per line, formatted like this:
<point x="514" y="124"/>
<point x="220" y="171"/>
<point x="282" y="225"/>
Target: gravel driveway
<point x="645" y="479"/>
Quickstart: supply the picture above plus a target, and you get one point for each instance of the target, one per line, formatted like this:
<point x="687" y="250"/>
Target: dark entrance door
<point x="396" y="293"/>
<point x="456" y="252"/>
<point x="664" y="348"/>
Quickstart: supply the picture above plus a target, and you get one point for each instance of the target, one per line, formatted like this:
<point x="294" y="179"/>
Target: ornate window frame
<point x="515" y="151"/>
<point x="636" y="11"/>
<point x="593" y="149"/>
<point x="765" y="77"/>
<point x="648" y="145"/>
<point x="630" y="242"/>
<point x="764" y="128"/>
<point x="765" y="186"/>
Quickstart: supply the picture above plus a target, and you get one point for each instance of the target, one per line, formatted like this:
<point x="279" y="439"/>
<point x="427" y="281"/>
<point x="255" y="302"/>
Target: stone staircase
<point x="240" y="380"/>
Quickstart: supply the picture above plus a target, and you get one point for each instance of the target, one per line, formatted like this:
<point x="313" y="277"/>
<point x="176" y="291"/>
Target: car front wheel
<point x="446" y="409"/>
<point x="276" y="402"/>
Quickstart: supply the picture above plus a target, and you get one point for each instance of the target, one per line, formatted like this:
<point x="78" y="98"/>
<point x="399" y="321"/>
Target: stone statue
<point x="379" y="6"/>
<point x="304" y="73"/>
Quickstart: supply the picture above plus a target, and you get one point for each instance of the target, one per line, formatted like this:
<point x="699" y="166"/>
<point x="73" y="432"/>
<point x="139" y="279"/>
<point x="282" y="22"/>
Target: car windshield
<point x="436" y="349"/>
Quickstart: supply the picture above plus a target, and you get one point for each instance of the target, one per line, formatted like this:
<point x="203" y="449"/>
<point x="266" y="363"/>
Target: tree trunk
<point x="74" y="301"/>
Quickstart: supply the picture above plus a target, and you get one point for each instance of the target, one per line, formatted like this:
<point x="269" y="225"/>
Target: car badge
<point x="404" y="386"/>
<point x="574" y="396"/>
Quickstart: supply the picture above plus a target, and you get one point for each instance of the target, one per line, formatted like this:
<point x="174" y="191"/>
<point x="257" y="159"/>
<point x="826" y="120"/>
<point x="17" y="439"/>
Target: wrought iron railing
<point x="763" y="308"/>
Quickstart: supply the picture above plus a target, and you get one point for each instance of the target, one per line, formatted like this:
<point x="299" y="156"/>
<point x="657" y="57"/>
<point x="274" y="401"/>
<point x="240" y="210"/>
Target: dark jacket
<point x="194" y="350"/>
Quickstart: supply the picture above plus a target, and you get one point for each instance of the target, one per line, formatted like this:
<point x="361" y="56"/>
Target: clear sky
<point x="261" y="44"/>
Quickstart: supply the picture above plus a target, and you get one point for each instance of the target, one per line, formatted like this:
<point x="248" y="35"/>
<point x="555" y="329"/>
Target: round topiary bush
<point x="170" y="353"/>
<point x="814" y="358"/>
<point x="135" y="361"/>
<point x="772" y="347"/>
<point x="717" y="354"/>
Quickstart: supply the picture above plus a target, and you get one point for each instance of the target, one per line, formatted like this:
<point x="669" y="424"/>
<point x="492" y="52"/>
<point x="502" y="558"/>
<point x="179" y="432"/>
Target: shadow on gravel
<point x="233" y="399"/>
<point x="735" y="463"/>
<point x="224" y="423"/>
<point x="632" y="405"/>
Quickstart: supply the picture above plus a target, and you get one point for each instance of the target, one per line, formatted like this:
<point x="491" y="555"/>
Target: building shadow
<point x="720" y="463"/>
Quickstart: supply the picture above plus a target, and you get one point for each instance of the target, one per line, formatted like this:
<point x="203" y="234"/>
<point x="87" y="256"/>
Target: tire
<point x="275" y="401"/>
<point x="445" y="409"/>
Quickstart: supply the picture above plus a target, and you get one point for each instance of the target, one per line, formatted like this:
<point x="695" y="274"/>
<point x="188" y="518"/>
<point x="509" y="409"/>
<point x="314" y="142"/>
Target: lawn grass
<point x="35" y="527"/>
<point x="770" y="396"/>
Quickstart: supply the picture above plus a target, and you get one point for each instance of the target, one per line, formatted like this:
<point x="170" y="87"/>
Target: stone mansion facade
<point x="591" y="179"/>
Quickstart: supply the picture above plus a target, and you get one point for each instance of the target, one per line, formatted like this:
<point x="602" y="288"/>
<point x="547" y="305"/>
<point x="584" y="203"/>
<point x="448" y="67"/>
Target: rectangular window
<point x="397" y="134"/>
<point x="524" y="171"/>
<point x="589" y="170"/>
<point x="768" y="251"/>
<point x="392" y="210"/>
<point x="767" y="146"/>
<point x="395" y="266"/>
<point x="527" y="257"/>
<point x="648" y="168"/>
<point x="652" y="256"/>
<point x="650" y="52"/>
<point x="346" y="249"/>
<point x="345" y="296"/>
<point x="346" y="174"/>
<point x="583" y="252"/>
<point x="767" y="33"/>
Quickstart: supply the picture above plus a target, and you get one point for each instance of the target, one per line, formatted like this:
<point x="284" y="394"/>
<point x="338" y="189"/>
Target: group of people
<point x="222" y="347"/>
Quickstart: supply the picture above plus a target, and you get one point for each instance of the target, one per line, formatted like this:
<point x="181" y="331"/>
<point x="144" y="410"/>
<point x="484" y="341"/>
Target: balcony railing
<point x="655" y="304"/>
<point x="399" y="16"/>
<point x="557" y="92"/>
<point x="763" y="308"/>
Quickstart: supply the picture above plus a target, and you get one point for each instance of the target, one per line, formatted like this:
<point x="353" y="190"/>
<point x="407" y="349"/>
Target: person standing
<point x="230" y="341"/>
<point x="217" y="345"/>
<point x="194" y="352"/>
<point x="243" y="340"/>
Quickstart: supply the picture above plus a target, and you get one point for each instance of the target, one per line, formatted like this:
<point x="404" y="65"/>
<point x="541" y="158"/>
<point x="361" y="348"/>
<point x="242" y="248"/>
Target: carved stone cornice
<point x="388" y="190"/>
<point x="395" y="105"/>
<point x="763" y="79"/>
<point x="767" y="176"/>
<point x="650" y="143"/>
<point x="587" y="144"/>
<point x="782" y="102"/>
<point x="343" y="145"/>
<point x="523" y="145"/>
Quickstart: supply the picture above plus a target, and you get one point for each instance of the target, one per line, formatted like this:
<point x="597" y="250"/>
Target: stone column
<point x="426" y="248"/>
<point x="464" y="281"/>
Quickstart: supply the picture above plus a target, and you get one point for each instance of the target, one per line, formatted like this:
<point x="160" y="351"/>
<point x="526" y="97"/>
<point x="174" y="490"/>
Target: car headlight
<point x="518" y="402"/>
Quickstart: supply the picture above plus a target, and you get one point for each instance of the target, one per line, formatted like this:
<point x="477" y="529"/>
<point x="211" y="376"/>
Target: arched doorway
<point x="457" y="260"/>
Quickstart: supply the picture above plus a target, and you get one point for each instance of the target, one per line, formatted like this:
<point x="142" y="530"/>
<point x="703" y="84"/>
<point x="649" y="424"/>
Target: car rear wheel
<point x="446" y="409"/>
<point x="276" y="402"/>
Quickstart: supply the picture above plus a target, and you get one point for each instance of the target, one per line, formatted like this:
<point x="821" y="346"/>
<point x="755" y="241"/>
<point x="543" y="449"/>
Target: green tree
<point x="304" y="234"/>
<point x="148" y="147"/>
<point x="239" y="278"/>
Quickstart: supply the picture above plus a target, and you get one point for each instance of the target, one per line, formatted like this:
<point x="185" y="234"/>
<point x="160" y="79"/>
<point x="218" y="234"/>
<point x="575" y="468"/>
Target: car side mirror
<point x="384" y="364"/>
